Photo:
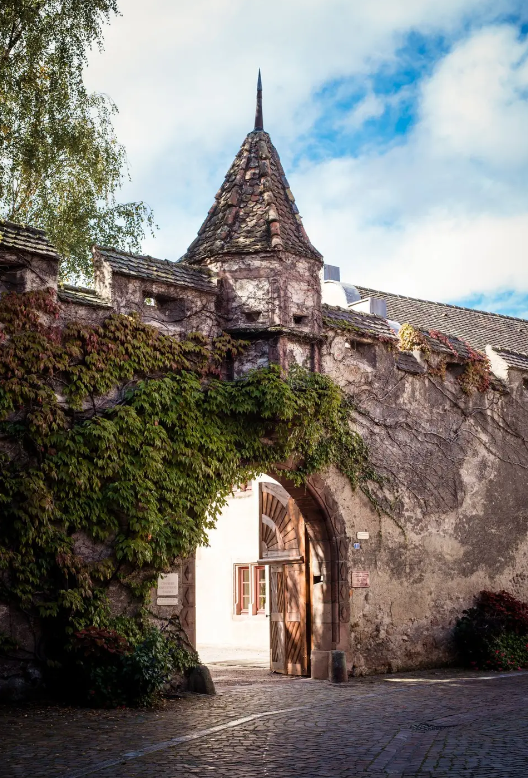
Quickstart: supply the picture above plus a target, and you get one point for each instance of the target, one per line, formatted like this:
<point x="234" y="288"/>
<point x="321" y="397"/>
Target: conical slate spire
<point x="259" y="119"/>
<point x="254" y="209"/>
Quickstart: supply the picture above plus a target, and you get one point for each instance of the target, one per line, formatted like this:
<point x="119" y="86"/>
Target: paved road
<point x="431" y="725"/>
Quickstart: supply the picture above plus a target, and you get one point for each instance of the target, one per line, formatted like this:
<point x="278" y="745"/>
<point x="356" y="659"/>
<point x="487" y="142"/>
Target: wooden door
<point x="295" y="619"/>
<point x="282" y="538"/>
<point x="277" y="622"/>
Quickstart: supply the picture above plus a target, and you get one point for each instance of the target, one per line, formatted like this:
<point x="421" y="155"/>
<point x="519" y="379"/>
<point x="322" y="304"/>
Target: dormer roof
<point x="20" y="237"/>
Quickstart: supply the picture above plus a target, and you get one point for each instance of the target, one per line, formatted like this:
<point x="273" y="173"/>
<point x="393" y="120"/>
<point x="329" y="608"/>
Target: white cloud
<point x="445" y="214"/>
<point x="371" y="107"/>
<point x="476" y="105"/>
<point x="442" y="215"/>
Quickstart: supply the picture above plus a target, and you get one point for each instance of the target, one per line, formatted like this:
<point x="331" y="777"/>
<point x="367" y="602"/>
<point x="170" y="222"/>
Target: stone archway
<point x="328" y="594"/>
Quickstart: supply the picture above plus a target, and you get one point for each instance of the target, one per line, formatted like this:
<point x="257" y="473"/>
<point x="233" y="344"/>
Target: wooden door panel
<point x="282" y="537"/>
<point x="277" y="625"/>
<point x="295" y="619"/>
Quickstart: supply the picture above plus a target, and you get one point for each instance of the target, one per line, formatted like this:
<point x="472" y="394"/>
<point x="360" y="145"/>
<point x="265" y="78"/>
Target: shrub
<point x="108" y="671"/>
<point x="493" y="634"/>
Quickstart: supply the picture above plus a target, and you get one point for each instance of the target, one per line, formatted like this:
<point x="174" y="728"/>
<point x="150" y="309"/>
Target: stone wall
<point x="457" y="516"/>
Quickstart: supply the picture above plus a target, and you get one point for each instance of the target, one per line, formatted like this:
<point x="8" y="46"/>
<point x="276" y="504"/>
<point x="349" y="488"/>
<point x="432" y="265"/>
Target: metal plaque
<point x="357" y="546"/>
<point x="168" y="585"/>
<point x="360" y="579"/>
<point x="362" y="535"/>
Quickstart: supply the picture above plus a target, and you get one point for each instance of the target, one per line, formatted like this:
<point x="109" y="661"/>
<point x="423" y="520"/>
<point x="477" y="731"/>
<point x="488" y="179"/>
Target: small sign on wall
<point x="362" y="535"/>
<point x="168" y="589"/>
<point x="360" y="579"/>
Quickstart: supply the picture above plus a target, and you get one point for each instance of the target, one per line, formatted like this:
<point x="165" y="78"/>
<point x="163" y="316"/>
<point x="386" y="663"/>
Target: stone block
<point x="337" y="667"/>
<point x="319" y="661"/>
<point x="200" y="681"/>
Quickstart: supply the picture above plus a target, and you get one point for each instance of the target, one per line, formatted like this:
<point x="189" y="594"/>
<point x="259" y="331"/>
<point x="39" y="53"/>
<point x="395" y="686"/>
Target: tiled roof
<point x="513" y="358"/>
<point x="365" y="324"/>
<point x="448" y="345"/>
<point x="254" y="209"/>
<point x="123" y="263"/>
<point x="477" y="328"/>
<point x="22" y="238"/>
<point x="81" y="295"/>
<point x="408" y="363"/>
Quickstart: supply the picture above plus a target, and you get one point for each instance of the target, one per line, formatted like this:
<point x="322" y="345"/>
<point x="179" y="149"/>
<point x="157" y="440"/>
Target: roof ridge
<point x="170" y="262"/>
<point x="510" y="350"/>
<point x="445" y="305"/>
<point x="353" y="311"/>
<point x="29" y="228"/>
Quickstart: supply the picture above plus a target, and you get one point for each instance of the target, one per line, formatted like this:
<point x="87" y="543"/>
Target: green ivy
<point x="147" y="476"/>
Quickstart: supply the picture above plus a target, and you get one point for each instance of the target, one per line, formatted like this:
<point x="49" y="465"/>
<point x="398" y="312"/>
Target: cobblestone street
<point x="415" y="724"/>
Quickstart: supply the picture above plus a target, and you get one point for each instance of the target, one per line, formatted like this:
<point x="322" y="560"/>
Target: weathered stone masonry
<point x="456" y="463"/>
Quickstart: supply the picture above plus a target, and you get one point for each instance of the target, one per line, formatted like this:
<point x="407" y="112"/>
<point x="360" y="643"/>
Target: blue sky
<point x="402" y="126"/>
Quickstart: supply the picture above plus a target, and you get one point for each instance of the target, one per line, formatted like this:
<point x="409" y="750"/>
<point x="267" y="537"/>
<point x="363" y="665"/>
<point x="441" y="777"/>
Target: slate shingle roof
<point x="366" y="324"/>
<point x="254" y="209"/>
<point x="449" y="345"/>
<point x="22" y="238"/>
<point x="408" y="363"/>
<point x="124" y="263"/>
<point x="514" y="359"/>
<point x="477" y="328"/>
<point x="81" y="295"/>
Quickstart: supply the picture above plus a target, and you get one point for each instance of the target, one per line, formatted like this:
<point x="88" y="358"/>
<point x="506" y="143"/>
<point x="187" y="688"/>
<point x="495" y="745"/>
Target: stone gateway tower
<point x="269" y="273"/>
<point x="440" y="395"/>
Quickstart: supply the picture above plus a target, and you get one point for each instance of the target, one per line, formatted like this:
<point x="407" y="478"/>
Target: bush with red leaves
<point x="100" y="643"/>
<point x="486" y="633"/>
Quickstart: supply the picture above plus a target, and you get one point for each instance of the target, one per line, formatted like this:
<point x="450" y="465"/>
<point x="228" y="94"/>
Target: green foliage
<point x="507" y="652"/>
<point x="147" y="477"/>
<point x="106" y="670"/>
<point x="60" y="163"/>
<point x="410" y="338"/>
<point x="493" y="634"/>
<point x="8" y="645"/>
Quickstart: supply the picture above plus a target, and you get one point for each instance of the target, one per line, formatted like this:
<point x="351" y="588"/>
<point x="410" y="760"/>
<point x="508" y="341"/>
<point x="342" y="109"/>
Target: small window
<point x="260" y="589"/>
<point x="525" y="384"/>
<point x="366" y="351"/>
<point x="150" y="301"/>
<point x="299" y="318"/>
<point x="250" y="590"/>
<point x="244" y="590"/>
<point x="247" y="486"/>
<point x="455" y="369"/>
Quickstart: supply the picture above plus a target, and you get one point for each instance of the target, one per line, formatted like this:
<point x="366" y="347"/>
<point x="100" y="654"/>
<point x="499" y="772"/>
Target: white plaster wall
<point x="234" y="541"/>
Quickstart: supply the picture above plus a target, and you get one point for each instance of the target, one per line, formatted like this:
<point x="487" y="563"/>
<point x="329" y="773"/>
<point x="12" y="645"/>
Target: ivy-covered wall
<point x="121" y="433"/>
<point x="118" y="447"/>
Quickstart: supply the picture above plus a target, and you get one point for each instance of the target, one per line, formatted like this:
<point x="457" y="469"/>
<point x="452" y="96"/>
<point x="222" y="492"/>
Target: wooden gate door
<point x="277" y="621"/>
<point x="283" y="547"/>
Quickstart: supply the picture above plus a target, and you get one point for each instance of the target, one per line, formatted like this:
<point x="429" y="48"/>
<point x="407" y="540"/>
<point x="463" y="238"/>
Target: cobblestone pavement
<point x="427" y="724"/>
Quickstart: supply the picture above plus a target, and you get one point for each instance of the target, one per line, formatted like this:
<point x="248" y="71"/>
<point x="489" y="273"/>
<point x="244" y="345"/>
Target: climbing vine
<point x="476" y="370"/>
<point x="412" y="339"/>
<point x="128" y="440"/>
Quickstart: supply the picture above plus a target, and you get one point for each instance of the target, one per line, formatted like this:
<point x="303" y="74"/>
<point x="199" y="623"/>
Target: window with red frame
<point x="250" y="590"/>
<point x="260" y="589"/>
<point x="243" y="589"/>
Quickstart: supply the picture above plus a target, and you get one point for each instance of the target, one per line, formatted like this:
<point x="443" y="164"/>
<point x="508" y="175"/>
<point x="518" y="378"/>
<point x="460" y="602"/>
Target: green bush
<point x="109" y="671"/>
<point x="493" y="634"/>
<point x="507" y="652"/>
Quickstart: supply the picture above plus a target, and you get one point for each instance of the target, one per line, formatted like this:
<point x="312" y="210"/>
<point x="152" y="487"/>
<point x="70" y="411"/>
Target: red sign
<point x="360" y="579"/>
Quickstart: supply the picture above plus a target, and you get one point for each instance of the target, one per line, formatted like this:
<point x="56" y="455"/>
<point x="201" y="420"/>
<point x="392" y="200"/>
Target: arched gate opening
<point x="301" y="559"/>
